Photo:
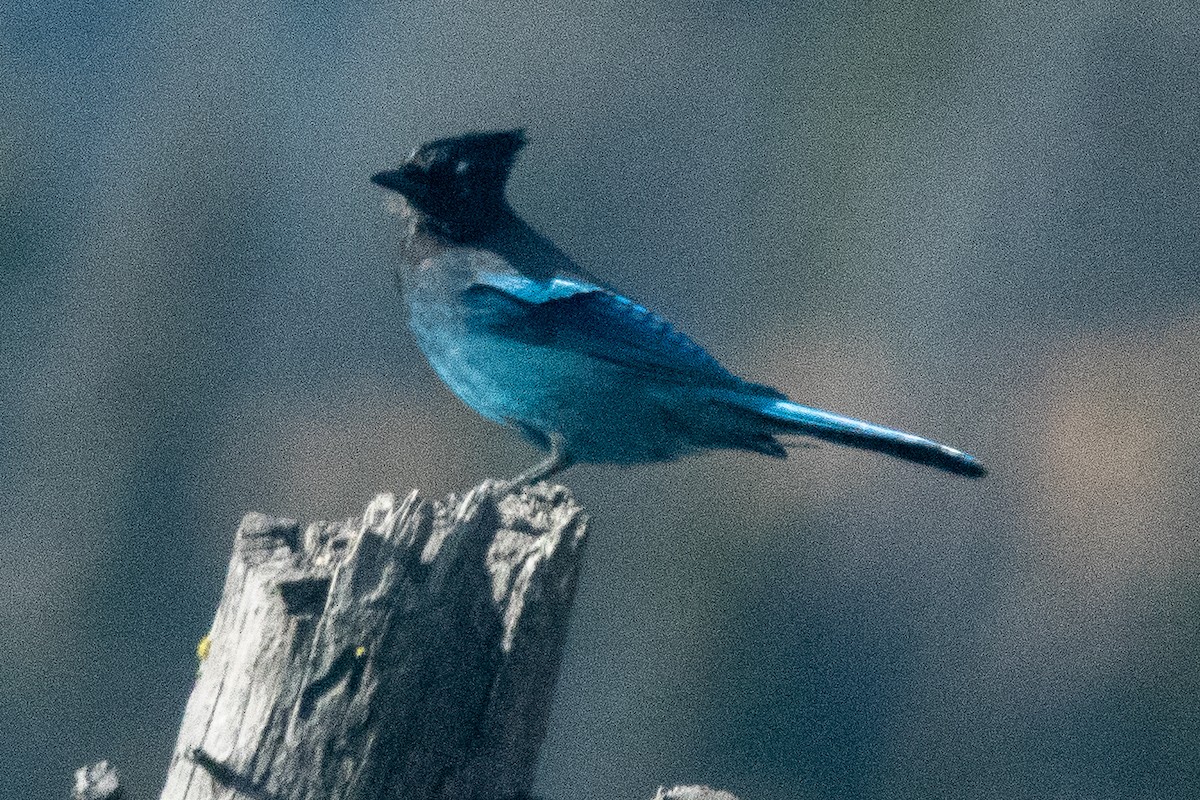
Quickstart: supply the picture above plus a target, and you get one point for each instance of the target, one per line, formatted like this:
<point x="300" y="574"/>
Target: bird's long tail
<point x="786" y="417"/>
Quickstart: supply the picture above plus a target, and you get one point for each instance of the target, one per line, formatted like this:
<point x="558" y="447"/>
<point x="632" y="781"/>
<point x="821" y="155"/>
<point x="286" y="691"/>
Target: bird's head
<point x="457" y="182"/>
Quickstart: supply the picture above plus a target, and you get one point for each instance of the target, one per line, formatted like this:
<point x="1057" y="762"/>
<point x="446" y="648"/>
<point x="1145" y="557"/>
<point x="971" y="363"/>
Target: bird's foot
<point x="556" y="462"/>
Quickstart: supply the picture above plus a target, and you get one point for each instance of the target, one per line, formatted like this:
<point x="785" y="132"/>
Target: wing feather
<point x="584" y="318"/>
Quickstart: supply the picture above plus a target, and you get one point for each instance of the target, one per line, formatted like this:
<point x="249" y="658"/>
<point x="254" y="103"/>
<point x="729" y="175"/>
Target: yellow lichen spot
<point x="360" y="651"/>
<point x="203" y="647"/>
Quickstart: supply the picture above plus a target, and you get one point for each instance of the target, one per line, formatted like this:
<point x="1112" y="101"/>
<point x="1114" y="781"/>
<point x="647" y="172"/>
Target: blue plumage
<point x="526" y="338"/>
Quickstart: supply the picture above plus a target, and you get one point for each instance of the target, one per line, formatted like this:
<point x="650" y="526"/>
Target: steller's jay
<point x="526" y="338"/>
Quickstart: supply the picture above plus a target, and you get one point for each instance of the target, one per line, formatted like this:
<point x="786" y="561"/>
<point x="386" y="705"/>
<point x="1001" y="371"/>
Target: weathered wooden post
<point x="410" y="653"/>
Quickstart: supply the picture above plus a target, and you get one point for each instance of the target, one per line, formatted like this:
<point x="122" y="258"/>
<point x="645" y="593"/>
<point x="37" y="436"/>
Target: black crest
<point x="458" y="182"/>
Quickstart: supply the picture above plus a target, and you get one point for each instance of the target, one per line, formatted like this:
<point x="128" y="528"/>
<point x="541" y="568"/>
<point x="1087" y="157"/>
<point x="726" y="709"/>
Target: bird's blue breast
<point x="504" y="380"/>
<point x="491" y="375"/>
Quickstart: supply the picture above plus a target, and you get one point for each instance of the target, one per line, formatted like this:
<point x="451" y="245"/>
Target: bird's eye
<point x="462" y="167"/>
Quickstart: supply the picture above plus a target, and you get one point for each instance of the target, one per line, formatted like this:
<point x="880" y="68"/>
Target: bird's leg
<point x="558" y="460"/>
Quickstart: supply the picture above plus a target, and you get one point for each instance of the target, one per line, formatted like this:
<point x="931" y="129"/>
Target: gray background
<point x="978" y="223"/>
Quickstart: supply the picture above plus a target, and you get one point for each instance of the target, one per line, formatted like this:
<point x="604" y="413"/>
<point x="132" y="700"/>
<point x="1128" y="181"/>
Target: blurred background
<point x="975" y="222"/>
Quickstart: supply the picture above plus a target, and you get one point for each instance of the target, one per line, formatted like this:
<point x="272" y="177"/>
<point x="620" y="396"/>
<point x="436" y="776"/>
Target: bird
<point x="527" y="338"/>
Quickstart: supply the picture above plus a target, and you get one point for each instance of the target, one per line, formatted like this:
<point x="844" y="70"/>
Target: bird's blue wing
<point x="575" y="315"/>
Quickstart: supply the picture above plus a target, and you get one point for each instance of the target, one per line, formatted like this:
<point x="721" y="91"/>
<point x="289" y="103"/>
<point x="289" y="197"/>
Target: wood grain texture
<point x="98" y="781"/>
<point x="692" y="793"/>
<point x="410" y="653"/>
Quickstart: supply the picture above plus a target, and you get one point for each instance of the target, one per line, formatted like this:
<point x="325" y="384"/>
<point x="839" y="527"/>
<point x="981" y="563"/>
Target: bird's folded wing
<point x="581" y="317"/>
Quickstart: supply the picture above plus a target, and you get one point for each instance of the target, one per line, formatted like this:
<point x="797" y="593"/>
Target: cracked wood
<point x="410" y="653"/>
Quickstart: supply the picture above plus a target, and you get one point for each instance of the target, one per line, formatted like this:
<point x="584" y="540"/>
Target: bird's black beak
<point x="394" y="179"/>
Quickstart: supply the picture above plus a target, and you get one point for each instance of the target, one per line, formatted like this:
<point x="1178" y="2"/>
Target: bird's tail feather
<point x="788" y="417"/>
